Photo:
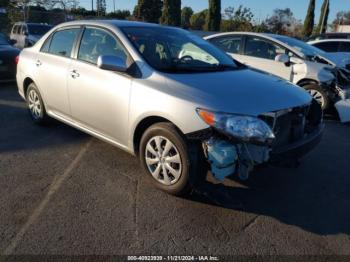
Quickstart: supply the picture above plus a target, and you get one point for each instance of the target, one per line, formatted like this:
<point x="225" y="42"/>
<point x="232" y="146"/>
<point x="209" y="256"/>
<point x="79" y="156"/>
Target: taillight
<point x="17" y="60"/>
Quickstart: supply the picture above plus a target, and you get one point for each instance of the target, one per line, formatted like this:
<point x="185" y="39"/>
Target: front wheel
<point x="168" y="159"/>
<point x="319" y="94"/>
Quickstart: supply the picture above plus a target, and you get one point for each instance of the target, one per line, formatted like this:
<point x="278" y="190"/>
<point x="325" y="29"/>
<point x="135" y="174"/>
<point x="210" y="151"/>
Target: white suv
<point x="27" y="34"/>
<point x="289" y="59"/>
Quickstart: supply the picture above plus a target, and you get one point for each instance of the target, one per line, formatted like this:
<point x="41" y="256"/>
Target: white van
<point x="27" y="34"/>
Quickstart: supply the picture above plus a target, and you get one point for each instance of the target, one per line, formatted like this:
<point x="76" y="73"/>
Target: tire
<point x="186" y="159"/>
<point x="319" y="94"/>
<point x="36" y="105"/>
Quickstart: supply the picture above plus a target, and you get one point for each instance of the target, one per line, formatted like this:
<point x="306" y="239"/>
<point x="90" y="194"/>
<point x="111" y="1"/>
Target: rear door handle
<point x="38" y="63"/>
<point x="74" y="74"/>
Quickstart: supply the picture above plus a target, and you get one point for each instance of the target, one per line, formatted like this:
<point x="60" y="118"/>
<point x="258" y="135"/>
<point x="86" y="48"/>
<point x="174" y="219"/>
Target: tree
<point x="149" y="10"/>
<point x="198" y="20"/>
<point x="323" y="22"/>
<point x="261" y="28"/>
<point x="101" y="7"/>
<point x="342" y="18"/>
<point x="309" y="19"/>
<point x="186" y="14"/>
<point x="214" y="15"/>
<point x="120" y="14"/>
<point x="171" y="13"/>
<point x="63" y="4"/>
<point x="239" y="19"/>
<point x="281" y="22"/>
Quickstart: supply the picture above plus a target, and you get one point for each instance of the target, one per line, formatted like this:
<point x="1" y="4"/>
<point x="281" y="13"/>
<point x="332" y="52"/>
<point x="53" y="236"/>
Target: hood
<point x="340" y="59"/>
<point x="242" y="91"/>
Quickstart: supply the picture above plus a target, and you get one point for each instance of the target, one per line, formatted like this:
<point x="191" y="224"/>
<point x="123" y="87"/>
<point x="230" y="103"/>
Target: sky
<point x="260" y="8"/>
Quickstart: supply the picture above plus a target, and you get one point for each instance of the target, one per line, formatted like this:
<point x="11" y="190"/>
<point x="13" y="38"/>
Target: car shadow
<point x="288" y="195"/>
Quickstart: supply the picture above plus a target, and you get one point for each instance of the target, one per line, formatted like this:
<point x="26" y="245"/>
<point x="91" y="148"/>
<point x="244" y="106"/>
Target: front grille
<point x="293" y="124"/>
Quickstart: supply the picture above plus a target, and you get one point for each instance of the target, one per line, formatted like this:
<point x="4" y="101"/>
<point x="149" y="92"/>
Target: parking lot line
<point x="12" y="103"/>
<point x="55" y="186"/>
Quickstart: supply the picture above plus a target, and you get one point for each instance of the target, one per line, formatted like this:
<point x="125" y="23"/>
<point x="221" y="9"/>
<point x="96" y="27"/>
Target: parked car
<point x="27" y="34"/>
<point x="125" y="83"/>
<point x="8" y="55"/>
<point x="332" y="45"/>
<point x="334" y="35"/>
<point x="324" y="75"/>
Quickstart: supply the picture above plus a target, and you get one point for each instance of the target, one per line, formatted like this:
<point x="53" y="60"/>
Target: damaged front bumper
<point x="297" y="131"/>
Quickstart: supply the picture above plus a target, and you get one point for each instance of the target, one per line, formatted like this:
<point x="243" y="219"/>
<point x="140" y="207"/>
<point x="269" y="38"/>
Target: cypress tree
<point x="309" y="19"/>
<point x="214" y="15"/>
<point x="149" y="10"/>
<point x="186" y="14"/>
<point x="322" y="24"/>
<point x="171" y="12"/>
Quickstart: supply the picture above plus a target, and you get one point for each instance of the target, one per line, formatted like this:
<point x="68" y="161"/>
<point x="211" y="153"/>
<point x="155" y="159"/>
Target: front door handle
<point x="74" y="74"/>
<point x="38" y="63"/>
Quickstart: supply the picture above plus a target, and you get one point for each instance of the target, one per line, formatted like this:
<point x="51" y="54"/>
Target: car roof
<point x="113" y="22"/>
<point x="25" y="23"/>
<point x="329" y="40"/>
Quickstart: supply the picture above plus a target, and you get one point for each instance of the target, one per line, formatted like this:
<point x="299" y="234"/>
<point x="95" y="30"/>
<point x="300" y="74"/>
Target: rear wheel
<point x="169" y="160"/>
<point x="36" y="105"/>
<point x="319" y="94"/>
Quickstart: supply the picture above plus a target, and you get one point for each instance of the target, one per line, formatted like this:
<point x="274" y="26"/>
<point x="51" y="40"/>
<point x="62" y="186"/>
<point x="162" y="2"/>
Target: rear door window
<point x="230" y="44"/>
<point x="62" y="42"/>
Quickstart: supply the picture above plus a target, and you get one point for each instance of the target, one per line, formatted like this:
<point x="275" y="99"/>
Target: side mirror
<point x="283" y="58"/>
<point x="112" y="63"/>
<point x="12" y="41"/>
<point x="296" y="60"/>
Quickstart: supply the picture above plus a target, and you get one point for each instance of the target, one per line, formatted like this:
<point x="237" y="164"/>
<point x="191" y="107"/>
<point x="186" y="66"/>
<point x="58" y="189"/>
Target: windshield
<point x="176" y="50"/>
<point x="38" y="29"/>
<point x="306" y="49"/>
<point x="3" y="40"/>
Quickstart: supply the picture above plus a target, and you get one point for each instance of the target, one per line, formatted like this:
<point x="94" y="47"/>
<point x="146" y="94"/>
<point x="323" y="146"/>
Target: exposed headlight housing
<point x="243" y="128"/>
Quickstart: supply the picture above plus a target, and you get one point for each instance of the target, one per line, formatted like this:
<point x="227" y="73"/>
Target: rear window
<point x="328" y="46"/>
<point x="345" y="47"/>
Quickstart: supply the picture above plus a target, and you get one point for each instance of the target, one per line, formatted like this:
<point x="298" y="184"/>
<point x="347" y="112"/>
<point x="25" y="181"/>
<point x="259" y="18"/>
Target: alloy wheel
<point x="163" y="160"/>
<point x="34" y="104"/>
<point x="317" y="96"/>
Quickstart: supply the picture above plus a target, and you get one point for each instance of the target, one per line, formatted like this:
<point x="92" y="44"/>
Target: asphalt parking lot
<point x="64" y="192"/>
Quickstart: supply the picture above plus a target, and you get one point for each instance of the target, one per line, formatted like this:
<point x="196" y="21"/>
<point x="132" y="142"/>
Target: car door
<point x="52" y="67"/>
<point x="99" y="99"/>
<point x="260" y="53"/>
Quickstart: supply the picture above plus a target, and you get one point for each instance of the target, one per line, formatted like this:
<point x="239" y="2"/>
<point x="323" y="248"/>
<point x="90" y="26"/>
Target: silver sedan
<point x="135" y="86"/>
